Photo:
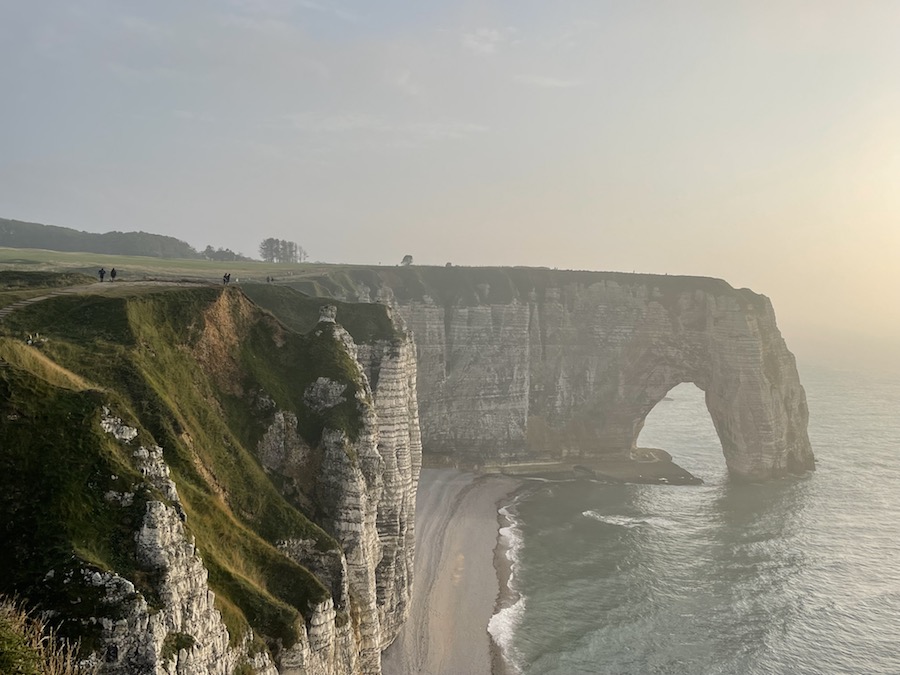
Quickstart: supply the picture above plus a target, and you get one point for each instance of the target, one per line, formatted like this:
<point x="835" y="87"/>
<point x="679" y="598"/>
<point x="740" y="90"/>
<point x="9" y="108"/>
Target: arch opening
<point x="681" y="424"/>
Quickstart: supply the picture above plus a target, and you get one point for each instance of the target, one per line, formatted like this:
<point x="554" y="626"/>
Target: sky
<point x="757" y="141"/>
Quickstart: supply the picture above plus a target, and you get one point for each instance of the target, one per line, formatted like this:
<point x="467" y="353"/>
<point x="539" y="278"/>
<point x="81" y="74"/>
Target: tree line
<point x="21" y="234"/>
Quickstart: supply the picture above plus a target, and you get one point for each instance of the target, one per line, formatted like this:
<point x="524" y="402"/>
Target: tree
<point x="407" y="260"/>
<point x="281" y="251"/>
<point x="268" y="249"/>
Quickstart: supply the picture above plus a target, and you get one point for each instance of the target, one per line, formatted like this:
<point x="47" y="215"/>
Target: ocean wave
<point x="511" y="540"/>
<point x="503" y="624"/>
<point x="502" y="628"/>
<point x="628" y="521"/>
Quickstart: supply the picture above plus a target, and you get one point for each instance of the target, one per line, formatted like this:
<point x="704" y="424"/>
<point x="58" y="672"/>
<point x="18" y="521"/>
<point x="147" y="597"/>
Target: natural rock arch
<point x="751" y="387"/>
<point x="520" y="365"/>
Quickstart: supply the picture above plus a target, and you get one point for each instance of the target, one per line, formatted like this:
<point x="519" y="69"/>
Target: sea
<point x="800" y="575"/>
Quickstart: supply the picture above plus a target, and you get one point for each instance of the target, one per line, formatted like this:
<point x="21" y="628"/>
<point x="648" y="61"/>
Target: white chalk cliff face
<point x="364" y="492"/>
<point x="568" y="365"/>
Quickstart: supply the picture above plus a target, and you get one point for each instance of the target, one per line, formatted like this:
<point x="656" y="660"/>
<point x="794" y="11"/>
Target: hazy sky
<point x="754" y="141"/>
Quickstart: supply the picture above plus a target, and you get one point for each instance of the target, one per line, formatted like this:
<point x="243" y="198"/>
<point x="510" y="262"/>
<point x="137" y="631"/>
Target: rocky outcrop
<point x="391" y="368"/>
<point x="181" y="632"/>
<point x="529" y="365"/>
<point x="363" y="488"/>
<point x="363" y="492"/>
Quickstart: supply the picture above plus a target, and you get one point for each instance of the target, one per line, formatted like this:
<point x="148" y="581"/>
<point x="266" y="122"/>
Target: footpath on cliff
<point x="97" y="288"/>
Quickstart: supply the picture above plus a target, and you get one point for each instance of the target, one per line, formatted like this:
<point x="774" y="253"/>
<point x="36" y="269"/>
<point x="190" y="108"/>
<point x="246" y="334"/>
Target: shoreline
<point x="458" y="585"/>
<point x="507" y="596"/>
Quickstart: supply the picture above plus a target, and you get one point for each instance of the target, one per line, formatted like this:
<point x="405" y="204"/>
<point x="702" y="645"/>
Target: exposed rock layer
<point x="364" y="489"/>
<point x="524" y="365"/>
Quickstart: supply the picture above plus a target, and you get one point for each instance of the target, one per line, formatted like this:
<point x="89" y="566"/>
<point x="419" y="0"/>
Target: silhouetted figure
<point x="226" y="278"/>
<point x="101" y="273"/>
<point x="112" y="274"/>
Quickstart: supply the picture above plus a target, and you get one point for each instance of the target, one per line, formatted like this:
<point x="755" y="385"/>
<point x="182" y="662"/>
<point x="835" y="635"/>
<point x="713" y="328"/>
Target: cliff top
<point x="339" y="281"/>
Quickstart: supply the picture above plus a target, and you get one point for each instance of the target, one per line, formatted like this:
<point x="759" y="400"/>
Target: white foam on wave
<point x="503" y="624"/>
<point x="511" y="540"/>
<point x="628" y="521"/>
<point x="502" y="628"/>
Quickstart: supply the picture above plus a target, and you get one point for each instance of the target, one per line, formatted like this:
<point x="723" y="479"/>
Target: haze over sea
<point x="793" y="576"/>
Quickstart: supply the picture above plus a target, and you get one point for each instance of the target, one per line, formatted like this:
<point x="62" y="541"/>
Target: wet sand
<point x="455" y="587"/>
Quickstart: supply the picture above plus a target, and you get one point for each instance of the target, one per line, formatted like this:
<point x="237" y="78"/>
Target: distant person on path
<point x="226" y="278"/>
<point x="112" y="274"/>
<point x="101" y="273"/>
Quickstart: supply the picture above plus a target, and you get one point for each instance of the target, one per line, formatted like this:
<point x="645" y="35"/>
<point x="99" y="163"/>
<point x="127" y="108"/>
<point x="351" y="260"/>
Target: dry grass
<point x="29" y="647"/>
<point x="223" y="325"/>
<point x="32" y="359"/>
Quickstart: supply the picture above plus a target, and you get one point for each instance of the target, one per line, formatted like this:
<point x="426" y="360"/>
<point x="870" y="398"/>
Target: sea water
<point x="793" y="576"/>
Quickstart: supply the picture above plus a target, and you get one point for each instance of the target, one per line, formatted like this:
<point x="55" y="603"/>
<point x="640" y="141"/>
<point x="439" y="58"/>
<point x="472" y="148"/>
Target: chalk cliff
<point x="520" y="365"/>
<point x="190" y="487"/>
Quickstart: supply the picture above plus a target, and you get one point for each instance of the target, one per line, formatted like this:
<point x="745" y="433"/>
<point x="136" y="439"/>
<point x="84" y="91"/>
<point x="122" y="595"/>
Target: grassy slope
<point x="365" y="322"/>
<point x="136" y="355"/>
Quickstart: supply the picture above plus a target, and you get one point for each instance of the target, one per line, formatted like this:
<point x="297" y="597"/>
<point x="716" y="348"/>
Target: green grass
<point x="138" y="354"/>
<point x="53" y="449"/>
<point x="366" y="323"/>
<point x="135" y="268"/>
<point x="18" y="285"/>
<point x="16" y="279"/>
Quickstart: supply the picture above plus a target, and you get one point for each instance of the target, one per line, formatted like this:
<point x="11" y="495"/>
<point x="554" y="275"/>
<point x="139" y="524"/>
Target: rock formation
<point x="192" y="487"/>
<point x="309" y="547"/>
<point x="524" y="365"/>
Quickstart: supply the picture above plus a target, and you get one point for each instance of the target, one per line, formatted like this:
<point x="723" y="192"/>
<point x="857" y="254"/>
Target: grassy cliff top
<point x="200" y="371"/>
<point x="476" y="285"/>
<point x="456" y="284"/>
<point x="365" y="322"/>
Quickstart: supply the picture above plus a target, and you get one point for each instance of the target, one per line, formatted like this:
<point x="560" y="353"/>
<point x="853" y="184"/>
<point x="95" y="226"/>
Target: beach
<point x="456" y="587"/>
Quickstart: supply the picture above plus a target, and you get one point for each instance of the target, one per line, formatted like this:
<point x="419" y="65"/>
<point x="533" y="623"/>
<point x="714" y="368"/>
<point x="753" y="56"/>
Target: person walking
<point x="112" y="274"/>
<point x="101" y="274"/>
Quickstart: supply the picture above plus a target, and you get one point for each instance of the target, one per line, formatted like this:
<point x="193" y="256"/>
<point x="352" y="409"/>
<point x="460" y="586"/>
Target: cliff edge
<point x="189" y="486"/>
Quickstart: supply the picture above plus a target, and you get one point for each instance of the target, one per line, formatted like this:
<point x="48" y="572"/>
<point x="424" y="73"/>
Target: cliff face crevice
<point x="400" y="448"/>
<point x="534" y="365"/>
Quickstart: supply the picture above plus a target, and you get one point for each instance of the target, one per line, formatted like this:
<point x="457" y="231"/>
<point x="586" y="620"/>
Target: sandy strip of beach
<point x="455" y="587"/>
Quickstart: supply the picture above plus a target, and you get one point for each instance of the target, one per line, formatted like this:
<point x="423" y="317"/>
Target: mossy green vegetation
<point x="52" y="449"/>
<point x="198" y="371"/>
<point x="174" y="643"/>
<point x="365" y="322"/>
